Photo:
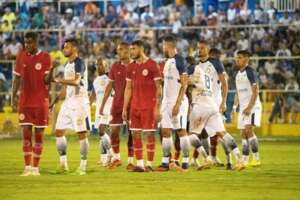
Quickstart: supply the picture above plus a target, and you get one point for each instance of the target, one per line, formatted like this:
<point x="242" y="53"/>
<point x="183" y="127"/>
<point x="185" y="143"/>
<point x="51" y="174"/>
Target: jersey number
<point x="207" y="82"/>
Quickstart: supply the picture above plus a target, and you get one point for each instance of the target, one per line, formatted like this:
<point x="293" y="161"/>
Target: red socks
<point x="27" y="145"/>
<point x="115" y="143"/>
<point x="150" y="147"/>
<point x="138" y="147"/>
<point x="38" y="148"/>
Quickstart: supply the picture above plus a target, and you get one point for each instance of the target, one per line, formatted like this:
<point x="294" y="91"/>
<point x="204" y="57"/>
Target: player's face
<point x="241" y="61"/>
<point x="123" y="52"/>
<point x="203" y="50"/>
<point x="135" y="52"/>
<point x="166" y="47"/>
<point x="30" y="45"/>
<point x="100" y="67"/>
<point x="68" y="49"/>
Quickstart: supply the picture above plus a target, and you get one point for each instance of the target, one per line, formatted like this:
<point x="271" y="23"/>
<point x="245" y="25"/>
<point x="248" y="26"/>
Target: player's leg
<point x="130" y="151"/>
<point x="166" y="148"/>
<point x="185" y="147"/>
<point x="115" y="143"/>
<point x="84" y="149"/>
<point x="177" y="150"/>
<point x="150" y="150"/>
<point x="245" y="146"/>
<point x="27" y="148"/>
<point x="63" y="122"/>
<point x="37" y="150"/>
<point x="61" y="146"/>
<point x="198" y="118"/>
<point x="215" y="122"/>
<point x="115" y="125"/>
<point x="138" y="150"/>
<point x="253" y="142"/>
<point x="104" y="144"/>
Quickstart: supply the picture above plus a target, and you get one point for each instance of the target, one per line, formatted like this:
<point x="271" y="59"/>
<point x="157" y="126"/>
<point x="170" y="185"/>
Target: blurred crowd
<point x="271" y="40"/>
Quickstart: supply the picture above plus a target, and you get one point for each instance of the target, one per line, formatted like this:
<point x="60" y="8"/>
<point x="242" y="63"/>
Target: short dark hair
<point x="138" y="43"/>
<point x="73" y="41"/>
<point x="123" y="43"/>
<point x="170" y="38"/>
<point x="245" y="53"/>
<point x="32" y="35"/>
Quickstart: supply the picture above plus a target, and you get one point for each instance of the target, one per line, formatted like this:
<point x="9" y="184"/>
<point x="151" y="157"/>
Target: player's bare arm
<point x="224" y="88"/>
<point x="235" y="102"/>
<point x="15" y="88"/>
<point x="182" y="91"/>
<point x="255" y="92"/>
<point x="49" y="77"/>
<point x="158" y="100"/>
<point x="74" y="82"/>
<point x="127" y="97"/>
<point x="107" y="93"/>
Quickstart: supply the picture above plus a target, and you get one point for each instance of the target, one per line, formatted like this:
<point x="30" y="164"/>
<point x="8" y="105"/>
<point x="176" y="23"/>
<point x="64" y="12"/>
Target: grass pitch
<point x="277" y="178"/>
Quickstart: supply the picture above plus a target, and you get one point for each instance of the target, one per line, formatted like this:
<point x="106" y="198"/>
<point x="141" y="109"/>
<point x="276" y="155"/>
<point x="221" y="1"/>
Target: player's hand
<point x="124" y="115"/>
<point x="247" y="111"/>
<point x="14" y="102"/>
<point x="57" y="80"/>
<point x="157" y="115"/>
<point x="175" y="110"/>
<point x="222" y="108"/>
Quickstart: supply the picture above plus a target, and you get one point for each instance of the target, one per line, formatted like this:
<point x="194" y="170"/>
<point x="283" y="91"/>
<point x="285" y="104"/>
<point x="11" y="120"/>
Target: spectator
<point x="243" y="42"/>
<point x="9" y="16"/>
<point x="231" y="13"/>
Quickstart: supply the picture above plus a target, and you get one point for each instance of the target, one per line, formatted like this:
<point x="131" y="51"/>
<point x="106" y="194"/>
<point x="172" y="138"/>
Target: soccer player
<point x="205" y="114"/>
<point x="102" y="121"/>
<point x="32" y="76"/>
<point x="75" y="110"/>
<point x="174" y="107"/>
<point x="117" y="82"/>
<point x="143" y="93"/>
<point x="250" y="106"/>
<point x="214" y="68"/>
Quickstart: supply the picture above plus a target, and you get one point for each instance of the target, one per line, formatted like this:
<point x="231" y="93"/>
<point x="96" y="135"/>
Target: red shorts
<point x="37" y="117"/>
<point x="142" y="120"/>
<point x="116" y="117"/>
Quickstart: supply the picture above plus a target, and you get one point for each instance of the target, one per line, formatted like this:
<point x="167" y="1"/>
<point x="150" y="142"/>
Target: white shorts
<point x="102" y="120"/>
<point x="178" y="122"/>
<point x="253" y="119"/>
<point x="72" y="117"/>
<point x="208" y="118"/>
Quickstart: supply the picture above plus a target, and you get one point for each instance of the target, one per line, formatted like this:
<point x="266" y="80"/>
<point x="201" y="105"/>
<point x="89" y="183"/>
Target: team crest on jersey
<point x="145" y="72"/>
<point x="21" y="116"/>
<point x="38" y="66"/>
<point x="208" y="70"/>
<point x="102" y="83"/>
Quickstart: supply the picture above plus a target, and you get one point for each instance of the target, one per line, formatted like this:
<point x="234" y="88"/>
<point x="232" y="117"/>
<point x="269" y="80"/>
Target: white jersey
<point x="213" y="68"/>
<point x="99" y="86"/>
<point x="244" y="81"/>
<point x="71" y="69"/>
<point x="202" y="93"/>
<point x="173" y="69"/>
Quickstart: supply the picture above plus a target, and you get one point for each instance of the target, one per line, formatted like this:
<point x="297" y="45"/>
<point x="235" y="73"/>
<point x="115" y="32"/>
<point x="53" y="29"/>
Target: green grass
<point x="277" y="178"/>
